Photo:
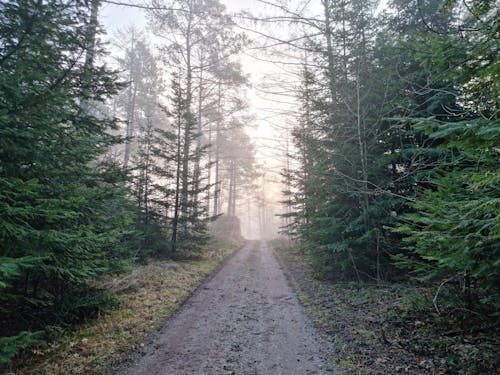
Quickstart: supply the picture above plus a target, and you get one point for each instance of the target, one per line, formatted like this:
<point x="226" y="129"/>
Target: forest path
<point x="244" y="320"/>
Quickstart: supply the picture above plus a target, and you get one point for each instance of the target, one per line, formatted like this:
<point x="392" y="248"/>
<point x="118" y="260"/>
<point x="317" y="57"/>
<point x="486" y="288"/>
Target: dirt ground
<point x="244" y="320"/>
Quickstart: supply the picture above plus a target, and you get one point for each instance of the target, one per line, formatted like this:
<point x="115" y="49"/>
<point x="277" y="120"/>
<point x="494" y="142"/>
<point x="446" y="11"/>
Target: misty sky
<point x="267" y="130"/>
<point x="273" y="114"/>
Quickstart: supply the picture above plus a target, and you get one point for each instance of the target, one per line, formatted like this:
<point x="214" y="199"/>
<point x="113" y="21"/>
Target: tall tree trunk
<point x="288" y="181"/>
<point x="344" y="43"/>
<point x="330" y="56"/>
<point x="209" y="171"/>
<point x="132" y="95"/>
<point x="197" y="174"/>
<point x="233" y="202"/>
<point x="249" y="216"/>
<point x="130" y="124"/>
<point x="229" y="210"/>
<point x="261" y="224"/>
<point x="362" y="151"/>
<point x="175" y="221"/>
<point x="188" y="126"/>
<point x="149" y="135"/>
<point x="305" y="130"/>
<point x="91" y="34"/>
<point x="217" y="149"/>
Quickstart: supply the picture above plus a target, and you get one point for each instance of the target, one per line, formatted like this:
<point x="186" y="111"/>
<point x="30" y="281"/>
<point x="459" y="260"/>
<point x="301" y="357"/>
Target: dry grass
<point x="148" y="295"/>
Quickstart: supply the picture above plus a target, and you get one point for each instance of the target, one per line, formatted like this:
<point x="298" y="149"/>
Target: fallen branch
<point x="434" y="300"/>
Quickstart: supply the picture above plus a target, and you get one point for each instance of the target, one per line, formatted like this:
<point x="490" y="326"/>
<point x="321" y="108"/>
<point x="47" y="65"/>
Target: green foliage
<point x="12" y="268"/>
<point x="455" y="230"/>
<point x="452" y="233"/>
<point x="11" y="346"/>
<point x="346" y="189"/>
<point x="63" y="211"/>
<point x="402" y="131"/>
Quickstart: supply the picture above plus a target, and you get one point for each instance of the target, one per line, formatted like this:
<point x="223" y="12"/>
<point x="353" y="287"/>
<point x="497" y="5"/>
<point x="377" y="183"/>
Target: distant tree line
<point x="185" y="132"/>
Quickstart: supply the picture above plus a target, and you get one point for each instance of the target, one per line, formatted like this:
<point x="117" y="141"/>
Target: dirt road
<point x="245" y="320"/>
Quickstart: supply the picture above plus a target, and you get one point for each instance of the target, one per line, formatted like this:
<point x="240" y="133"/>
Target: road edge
<point x="134" y="355"/>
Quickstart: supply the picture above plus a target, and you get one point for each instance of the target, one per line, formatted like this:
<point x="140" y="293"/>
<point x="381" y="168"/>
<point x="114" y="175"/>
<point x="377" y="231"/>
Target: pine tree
<point x="199" y="41"/>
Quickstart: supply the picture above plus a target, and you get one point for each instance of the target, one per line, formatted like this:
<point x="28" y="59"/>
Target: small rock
<point x="84" y="341"/>
<point x="402" y="369"/>
<point x="426" y="363"/>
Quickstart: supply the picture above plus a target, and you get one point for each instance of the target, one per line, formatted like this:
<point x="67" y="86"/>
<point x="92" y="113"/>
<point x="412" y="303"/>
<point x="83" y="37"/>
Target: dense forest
<point x="395" y="175"/>
<point x="104" y="163"/>
<point x="397" y="146"/>
<point x="114" y="153"/>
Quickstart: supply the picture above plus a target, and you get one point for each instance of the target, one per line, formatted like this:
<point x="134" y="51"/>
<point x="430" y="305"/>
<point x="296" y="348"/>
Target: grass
<point x="148" y="296"/>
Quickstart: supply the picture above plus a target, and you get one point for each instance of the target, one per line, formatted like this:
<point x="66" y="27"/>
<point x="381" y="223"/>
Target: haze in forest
<point x="269" y="95"/>
<point x="271" y="119"/>
<point x="357" y="139"/>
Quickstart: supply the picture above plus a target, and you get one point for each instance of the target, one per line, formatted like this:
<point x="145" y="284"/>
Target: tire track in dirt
<point x="244" y="320"/>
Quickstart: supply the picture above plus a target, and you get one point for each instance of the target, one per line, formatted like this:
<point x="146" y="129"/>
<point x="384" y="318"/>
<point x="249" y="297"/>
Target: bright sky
<point x="262" y="105"/>
<point x="115" y="17"/>
<point x="270" y="127"/>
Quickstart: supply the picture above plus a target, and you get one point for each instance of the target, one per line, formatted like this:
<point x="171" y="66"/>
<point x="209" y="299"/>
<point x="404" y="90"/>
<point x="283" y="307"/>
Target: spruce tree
<point x="453" y="232"/>
<point x="61" y="207"/>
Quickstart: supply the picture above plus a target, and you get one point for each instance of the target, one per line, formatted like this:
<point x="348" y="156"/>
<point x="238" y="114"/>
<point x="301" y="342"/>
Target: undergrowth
<point x="145" y="298"/>
<point x="393" y="328"/>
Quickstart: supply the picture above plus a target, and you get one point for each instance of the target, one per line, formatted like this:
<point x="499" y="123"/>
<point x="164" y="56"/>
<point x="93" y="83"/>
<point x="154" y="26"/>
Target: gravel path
<point x="245" y="320"/>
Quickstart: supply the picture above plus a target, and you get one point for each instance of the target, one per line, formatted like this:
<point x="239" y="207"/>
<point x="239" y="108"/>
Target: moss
<point x="367" y="334"/>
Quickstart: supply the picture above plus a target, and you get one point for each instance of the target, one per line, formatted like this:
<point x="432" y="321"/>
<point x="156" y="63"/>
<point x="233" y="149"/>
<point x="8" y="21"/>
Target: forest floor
<point x="377" y="330"/>
<point x="245" y="320"/>
<point x="147" y="297"/>
<point x="260" y="311"/>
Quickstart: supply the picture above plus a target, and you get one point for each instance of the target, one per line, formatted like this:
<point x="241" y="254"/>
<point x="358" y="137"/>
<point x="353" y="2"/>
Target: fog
<point x="141" y="142"/>
<point x="267" y="97"/>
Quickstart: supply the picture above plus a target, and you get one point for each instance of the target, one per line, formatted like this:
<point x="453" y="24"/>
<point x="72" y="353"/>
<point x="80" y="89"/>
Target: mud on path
<point x="245" y="320"/>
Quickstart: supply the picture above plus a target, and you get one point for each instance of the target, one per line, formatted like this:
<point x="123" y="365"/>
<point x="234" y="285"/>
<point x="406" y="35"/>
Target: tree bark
<point x="330" y="56"/>
<point x="175" y="221"/>
<point x="197" y="170"/>
<point x="217" y="149"/>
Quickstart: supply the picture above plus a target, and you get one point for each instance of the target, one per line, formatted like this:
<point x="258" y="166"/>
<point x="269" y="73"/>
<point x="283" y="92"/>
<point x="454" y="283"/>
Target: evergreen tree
<point x="199" y="41"/>
<point x="453" y="233"/>
<point x="343" y="196"/>
<point x="63" y="219"/>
